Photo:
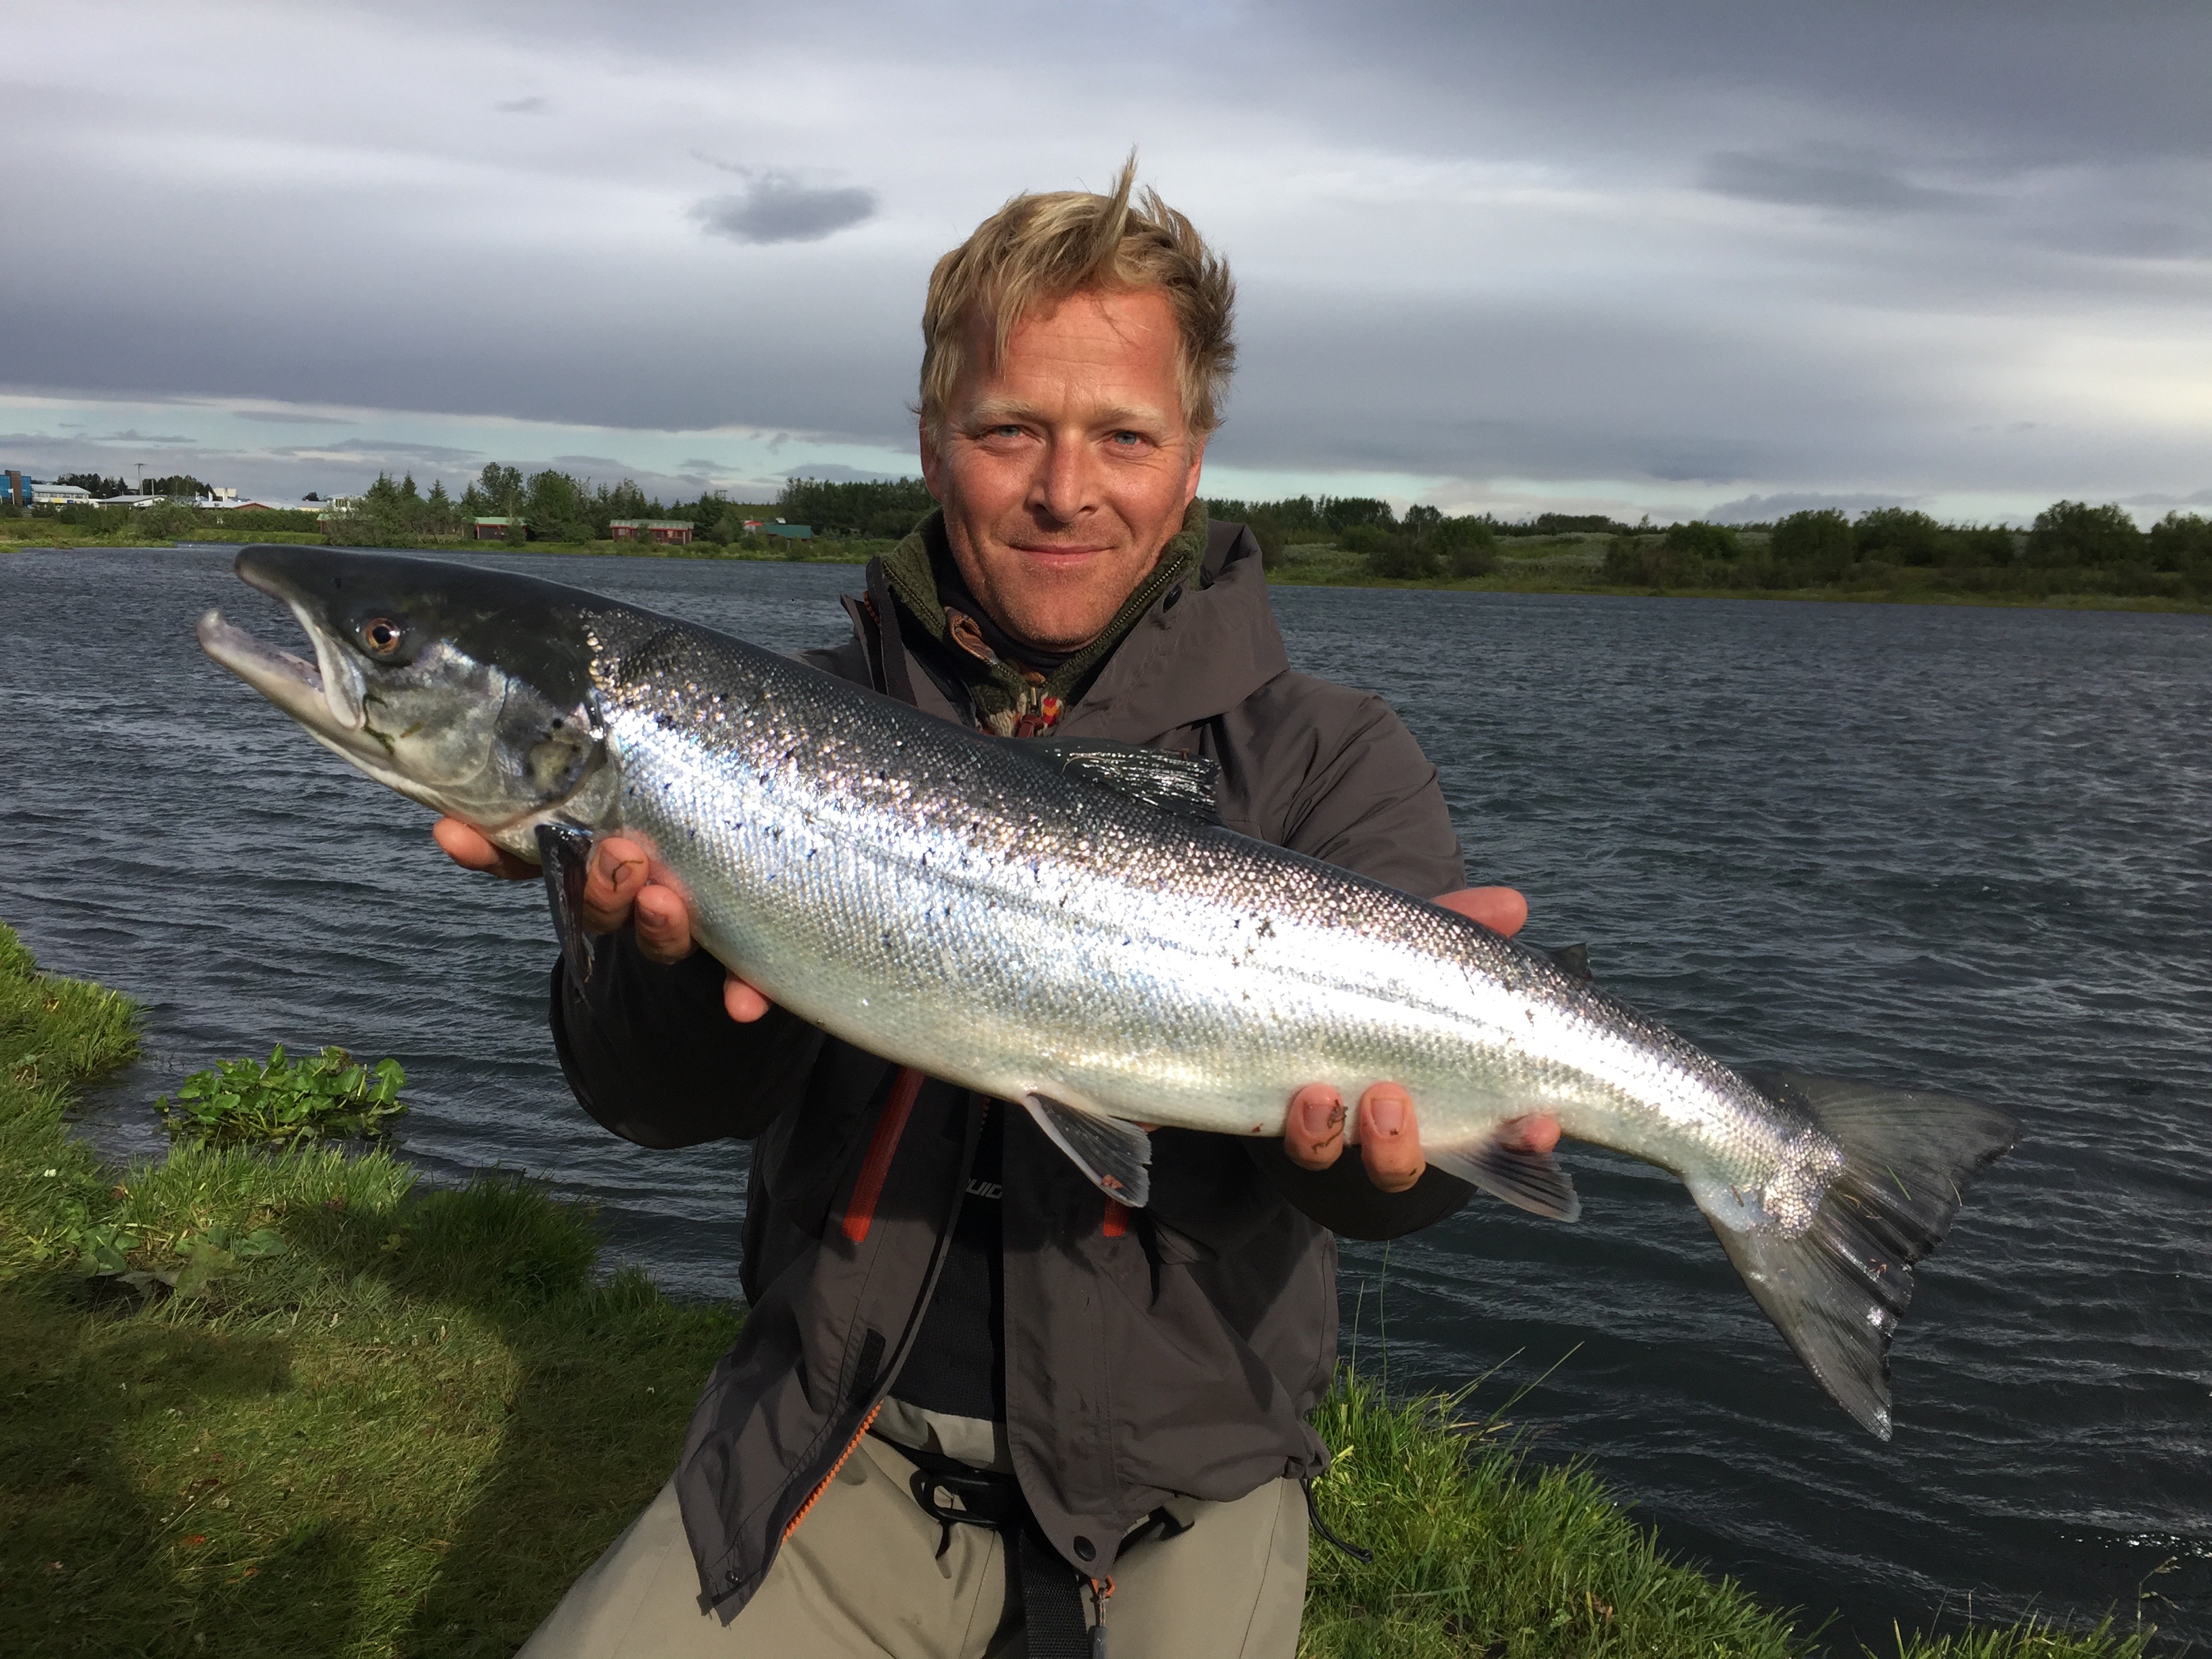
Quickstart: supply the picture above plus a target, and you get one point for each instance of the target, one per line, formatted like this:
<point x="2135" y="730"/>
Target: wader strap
<point x="1313" y="1514"/>
<point x="1051" y="1591"/>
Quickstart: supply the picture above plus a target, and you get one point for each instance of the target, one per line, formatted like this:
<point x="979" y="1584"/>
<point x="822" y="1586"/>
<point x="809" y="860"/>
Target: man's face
<point x="1065" y="470"/>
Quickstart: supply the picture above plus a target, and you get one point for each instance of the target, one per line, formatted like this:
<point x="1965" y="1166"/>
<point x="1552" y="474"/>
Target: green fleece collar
<point x="1007" y="696"/>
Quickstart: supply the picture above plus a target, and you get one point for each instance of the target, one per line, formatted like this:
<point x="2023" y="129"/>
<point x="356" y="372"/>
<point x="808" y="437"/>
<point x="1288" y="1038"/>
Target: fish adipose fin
<point x="1112" y="1155"/>
<point x="1837" y="1290"/>
<point x="1179" y="784"/>
<point x="564" y="853"/>
<point x="1528" y="1181"/>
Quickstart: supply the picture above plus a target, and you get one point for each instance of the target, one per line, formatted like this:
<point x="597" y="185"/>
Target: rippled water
<point x="1965" y="848"/>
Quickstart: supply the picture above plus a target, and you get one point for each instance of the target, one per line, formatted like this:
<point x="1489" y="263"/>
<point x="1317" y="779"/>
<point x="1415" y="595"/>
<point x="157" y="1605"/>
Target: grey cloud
<point x="277" y="417"/>
<point x="836" y="473"/>
<point x="774" y="208"/>
<point x="2195" y="498"/>
<point x="391" y="451"/>
<point x="134" y="436"/>
<point x="1842" y="182"/>
<point x="532" y="106"/>
<point x="1759" y="509"/>
<point x="606" y="462"/>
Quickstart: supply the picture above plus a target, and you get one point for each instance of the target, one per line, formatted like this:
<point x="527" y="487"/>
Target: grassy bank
<point x="25" y="533"/>
<point x="1565" y="564"/>
<point x="405" y="1433"/>
<point x="1575" y="564"/>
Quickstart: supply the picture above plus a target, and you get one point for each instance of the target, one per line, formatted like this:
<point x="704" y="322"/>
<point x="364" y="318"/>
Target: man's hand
<point x="1390" y="1140"/>
<point x="624" y="888"/>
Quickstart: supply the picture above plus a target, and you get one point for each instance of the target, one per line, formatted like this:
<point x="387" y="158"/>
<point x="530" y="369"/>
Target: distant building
<point x="19" y="489"/>
<point x="494" y="529"/>
<point x="656" y="529"/>
<point x="797" y="533"/>
<point x="56" y="495"/>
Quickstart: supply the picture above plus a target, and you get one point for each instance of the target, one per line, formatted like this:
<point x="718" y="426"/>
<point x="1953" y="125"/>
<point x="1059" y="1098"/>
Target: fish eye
<point x="381" y="634"/>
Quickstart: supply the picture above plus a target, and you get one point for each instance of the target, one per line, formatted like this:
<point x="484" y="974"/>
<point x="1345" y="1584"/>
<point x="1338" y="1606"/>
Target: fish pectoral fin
<point x="1528" y="1181"/>
<point x="1180" y="785"/>
<point x="564" y="853"/>
<point x="1114" y="1156"/>
<point x="1572" y="960"/>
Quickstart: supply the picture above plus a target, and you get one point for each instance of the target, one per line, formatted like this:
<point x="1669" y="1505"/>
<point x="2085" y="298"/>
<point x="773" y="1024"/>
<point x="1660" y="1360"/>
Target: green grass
<point x="1478" y="1551"/>
<point x="406" y="1432"/>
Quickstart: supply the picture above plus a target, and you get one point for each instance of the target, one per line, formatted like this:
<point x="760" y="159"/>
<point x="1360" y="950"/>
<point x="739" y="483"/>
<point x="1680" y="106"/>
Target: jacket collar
<point x="1195" y="640"/>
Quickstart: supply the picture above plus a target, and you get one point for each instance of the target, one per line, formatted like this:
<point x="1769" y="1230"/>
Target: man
<point x="976" y="1409"/>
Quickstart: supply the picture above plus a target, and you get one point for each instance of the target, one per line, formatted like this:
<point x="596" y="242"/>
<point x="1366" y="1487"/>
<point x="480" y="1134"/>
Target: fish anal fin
<point x="1528" y="1180"/>
<point x="564" y="853"/>
<point x="1114" y="1156"/>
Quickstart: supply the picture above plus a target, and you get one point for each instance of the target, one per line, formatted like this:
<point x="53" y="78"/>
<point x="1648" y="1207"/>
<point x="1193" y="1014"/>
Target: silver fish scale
<point x="947" y="899"/>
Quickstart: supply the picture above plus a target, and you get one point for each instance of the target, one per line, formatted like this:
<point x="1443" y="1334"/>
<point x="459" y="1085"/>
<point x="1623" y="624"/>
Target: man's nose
<point x="1066" y="482"/>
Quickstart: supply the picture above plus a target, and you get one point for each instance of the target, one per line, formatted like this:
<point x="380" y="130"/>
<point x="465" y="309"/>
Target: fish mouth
<point x="302" y="689"/>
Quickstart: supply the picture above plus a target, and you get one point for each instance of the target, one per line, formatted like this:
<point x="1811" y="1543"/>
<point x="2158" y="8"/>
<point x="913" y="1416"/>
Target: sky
<point x="1684" y="259"/>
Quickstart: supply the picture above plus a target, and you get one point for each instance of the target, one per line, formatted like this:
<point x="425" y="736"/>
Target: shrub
<point x="2181" y="541"/>
<point x="1989" y="545"/>
<point x="1269" y="532"/>
<point x="1467" y="546"/>
<point x="2076" y="534"/>
<point x="1820" y="541"/>
<point x="1390" y="554"/>
<point x="251" y="1102"/>
<point x="1898" y="535"/>
<point x="1700" y="540"/>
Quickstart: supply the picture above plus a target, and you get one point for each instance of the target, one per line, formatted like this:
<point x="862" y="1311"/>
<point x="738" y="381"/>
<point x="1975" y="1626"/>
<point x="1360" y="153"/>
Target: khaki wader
<point x="862" y="1576"/>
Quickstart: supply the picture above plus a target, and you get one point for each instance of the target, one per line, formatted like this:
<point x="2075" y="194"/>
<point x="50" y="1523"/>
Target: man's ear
<point x="1197" y="467"/>
<point x="933" y="463"/>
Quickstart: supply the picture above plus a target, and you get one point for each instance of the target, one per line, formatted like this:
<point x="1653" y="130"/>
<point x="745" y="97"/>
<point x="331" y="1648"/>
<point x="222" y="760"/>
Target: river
<point x="1964" y="849"/>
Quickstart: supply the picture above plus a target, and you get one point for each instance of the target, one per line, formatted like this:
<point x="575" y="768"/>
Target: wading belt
<point x="957" y="1494"/>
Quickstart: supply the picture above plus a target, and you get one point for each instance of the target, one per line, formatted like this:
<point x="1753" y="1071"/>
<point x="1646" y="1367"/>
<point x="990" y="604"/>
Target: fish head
<point x="466" y="690"/>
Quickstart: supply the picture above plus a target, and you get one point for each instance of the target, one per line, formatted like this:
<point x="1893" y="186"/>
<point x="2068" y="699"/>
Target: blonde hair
<point x="1041" y="248"/>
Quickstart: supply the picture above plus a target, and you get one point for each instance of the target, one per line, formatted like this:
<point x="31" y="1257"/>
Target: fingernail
<point x="1322" y="1116"/>
<point x="1384" y="1115"/>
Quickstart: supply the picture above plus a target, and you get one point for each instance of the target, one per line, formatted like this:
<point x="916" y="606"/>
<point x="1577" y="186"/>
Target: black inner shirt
<point x="957" y="1364"/>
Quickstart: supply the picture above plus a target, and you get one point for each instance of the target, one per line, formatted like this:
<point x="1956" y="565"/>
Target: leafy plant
<point x="239" y="1103"/>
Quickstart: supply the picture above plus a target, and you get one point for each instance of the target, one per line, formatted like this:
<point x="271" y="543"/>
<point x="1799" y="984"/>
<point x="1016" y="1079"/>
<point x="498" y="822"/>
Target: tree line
<point x="2072" y="547"/>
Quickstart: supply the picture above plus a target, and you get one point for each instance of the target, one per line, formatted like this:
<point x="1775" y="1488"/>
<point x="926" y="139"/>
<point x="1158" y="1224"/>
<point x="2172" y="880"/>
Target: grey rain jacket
<point x="1174" y="1351"/>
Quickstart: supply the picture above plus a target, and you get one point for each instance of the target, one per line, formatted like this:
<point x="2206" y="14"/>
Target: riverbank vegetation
<point x="2075" y="554"/>
<point x="284" y="1403"/>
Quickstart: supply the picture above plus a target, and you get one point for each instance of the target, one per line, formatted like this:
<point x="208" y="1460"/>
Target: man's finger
<point x="663" y="925"/>
<point x="1390" y="1140"/>
<point x="1501" y="910"/>
<point x="467" y="847"/>
<point x="1313" y="1129"/>
<point x="617" y="875"/>
<point x="1539" y="1132"/>
<point x="742" y="1002"/>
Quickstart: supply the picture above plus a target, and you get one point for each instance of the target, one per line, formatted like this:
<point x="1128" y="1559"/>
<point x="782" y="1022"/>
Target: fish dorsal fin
<point x="1114" y="1156"/>
<point x="1181" y="784"/>
<point x="1528" y="1181"/>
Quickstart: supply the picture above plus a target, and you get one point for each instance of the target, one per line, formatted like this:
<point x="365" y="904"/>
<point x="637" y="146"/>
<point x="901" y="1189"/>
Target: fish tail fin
<point x="1837" y="1290"/>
